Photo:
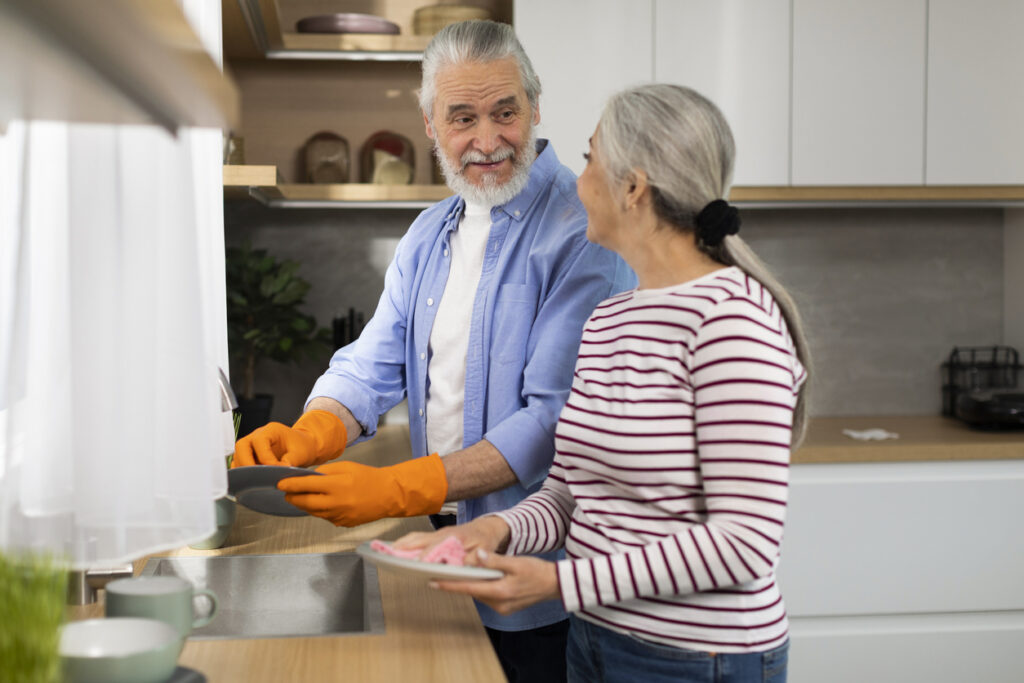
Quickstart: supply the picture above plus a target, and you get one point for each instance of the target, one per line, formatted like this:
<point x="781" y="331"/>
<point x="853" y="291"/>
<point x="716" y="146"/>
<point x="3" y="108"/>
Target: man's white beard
<point x="490" y="193"/>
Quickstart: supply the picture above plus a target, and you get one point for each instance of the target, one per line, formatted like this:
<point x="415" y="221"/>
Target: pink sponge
<point x="448" y="551"/>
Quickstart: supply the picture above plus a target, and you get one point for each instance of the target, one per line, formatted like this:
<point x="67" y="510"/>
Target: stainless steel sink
<point x="277" y="596"/>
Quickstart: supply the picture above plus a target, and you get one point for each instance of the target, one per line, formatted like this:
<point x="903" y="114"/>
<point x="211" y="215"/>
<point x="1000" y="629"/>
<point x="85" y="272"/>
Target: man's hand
<point x="350" y="494"/>
<point x="317" y="436"/>
<point x="527" y="581"/>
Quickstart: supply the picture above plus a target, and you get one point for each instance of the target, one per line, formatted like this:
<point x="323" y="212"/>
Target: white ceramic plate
<point x="255" y="487"/>
<point x="427" y="570"/>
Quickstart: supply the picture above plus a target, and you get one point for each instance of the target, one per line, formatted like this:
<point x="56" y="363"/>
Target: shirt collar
<point x="541" y="171"/>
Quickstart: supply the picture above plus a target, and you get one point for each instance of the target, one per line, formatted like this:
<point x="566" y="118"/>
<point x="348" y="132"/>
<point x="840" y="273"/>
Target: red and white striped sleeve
<point x="540" y="522"/>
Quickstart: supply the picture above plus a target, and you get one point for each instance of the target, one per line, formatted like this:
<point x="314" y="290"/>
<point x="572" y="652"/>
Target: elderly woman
<point x="669" y="485"/>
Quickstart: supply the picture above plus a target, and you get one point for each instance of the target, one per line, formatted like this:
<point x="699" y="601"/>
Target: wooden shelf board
<point x="267" y="179"/>
<point x="362" y="192"/>
<point x="362" y="42"/>
<point x="878" y="193"/>
<point x="921" y="438"/>
<point x="249" y="176"/>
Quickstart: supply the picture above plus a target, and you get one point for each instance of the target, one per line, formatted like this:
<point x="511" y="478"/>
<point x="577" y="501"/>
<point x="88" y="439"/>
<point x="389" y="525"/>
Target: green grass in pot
<point x="264" y="317"/>
<point x="33" y="589"/>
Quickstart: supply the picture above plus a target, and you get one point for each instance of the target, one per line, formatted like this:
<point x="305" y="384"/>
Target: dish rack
<point x="977" y="368"/>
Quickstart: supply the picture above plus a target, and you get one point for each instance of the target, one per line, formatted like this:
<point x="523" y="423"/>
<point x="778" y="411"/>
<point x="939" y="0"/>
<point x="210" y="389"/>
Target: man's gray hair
<point x="474" y="41"/>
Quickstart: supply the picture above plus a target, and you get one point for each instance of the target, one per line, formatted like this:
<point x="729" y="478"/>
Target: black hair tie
<point x="715" y="221"/>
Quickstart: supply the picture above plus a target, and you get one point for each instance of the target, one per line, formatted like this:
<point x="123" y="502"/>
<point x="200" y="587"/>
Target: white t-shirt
<point x="449" y="338"/>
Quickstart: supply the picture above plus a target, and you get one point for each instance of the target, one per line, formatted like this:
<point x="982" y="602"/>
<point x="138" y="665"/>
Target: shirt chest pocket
<point x="514" y="311"/>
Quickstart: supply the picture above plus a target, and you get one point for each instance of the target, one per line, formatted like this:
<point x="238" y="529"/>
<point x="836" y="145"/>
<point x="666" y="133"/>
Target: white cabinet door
<point x="975" y="92"/>
<point x="736" y="53"/>
<point x="858" y="91"/>
<point x="583" y="51"/>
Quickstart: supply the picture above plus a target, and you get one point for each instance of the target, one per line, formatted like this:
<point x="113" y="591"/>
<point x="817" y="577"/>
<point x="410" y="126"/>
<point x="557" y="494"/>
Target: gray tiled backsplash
<point x="885" y="293"/>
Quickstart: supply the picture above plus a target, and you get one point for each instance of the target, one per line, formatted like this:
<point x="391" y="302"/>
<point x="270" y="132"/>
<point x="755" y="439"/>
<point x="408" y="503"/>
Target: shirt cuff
<point x="527" y="446"/>
<point x="352" y="397"/>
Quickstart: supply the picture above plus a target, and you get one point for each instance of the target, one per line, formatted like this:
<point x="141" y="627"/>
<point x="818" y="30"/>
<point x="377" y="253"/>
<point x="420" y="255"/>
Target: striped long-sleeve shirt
<point x="669" y="484"/>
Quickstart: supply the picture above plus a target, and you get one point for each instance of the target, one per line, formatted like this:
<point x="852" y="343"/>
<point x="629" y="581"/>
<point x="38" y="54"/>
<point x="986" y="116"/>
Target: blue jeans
<point x="598" y="655"/>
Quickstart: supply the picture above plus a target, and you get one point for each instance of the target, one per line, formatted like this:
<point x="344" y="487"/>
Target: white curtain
<point x="112" y="327"/>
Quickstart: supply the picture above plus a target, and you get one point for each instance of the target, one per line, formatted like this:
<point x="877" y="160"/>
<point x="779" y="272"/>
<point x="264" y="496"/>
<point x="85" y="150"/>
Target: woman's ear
<point x="636" y="188"/>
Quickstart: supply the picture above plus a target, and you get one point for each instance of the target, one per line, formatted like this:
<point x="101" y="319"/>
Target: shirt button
<point x="421" y="412"/>
<point x="423" y="356"/>
<point x="445" y="252"/>
<point x="517" y="212"/>
<point x="430" y="302"/>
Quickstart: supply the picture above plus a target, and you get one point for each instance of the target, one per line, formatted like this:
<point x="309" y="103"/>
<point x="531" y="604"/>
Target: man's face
<point x="483" y="129"/>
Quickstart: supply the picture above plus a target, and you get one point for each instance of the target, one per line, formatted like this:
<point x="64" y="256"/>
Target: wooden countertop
<point x="921" y="438"/>
<point x="429" y="635"/>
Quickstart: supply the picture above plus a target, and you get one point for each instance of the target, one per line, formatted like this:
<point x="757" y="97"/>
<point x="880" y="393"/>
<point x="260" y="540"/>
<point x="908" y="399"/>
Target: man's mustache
<point x="476" y="157"/>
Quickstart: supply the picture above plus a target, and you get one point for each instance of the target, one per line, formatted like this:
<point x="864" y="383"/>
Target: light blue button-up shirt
<point x="540" y="281"/>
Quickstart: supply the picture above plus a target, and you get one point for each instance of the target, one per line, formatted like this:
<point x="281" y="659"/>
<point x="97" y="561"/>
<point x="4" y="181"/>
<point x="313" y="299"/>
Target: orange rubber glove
<point x="316" y="437"/>
<point x="350" y="494"/>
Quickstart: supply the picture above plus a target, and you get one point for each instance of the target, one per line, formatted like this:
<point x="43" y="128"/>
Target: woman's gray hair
<point x="683" y="143"/>
<point x="474" y="41"/>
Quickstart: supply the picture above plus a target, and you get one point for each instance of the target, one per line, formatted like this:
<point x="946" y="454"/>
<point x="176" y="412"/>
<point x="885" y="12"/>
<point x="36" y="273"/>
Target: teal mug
<point x="168" y="598"/>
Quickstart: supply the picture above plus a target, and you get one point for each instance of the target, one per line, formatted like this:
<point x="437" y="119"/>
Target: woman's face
<point x="603" y="213"/>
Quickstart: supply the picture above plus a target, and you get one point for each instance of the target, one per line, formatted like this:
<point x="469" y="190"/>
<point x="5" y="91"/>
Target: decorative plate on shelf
<point x="346" y="22"/>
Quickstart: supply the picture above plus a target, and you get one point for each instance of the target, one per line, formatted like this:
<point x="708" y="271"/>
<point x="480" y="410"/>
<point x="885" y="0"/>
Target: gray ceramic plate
<point x="427" y="570"/>
<point x="255" y="487"/>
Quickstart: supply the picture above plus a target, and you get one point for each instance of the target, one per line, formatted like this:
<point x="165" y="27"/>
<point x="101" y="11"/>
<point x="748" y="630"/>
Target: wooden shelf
<point x="878" y="195"/>
<point x="268" y="188"/>
<point x="255" y="29"/>
<point x="357" y="43"/>
<point x="120" y="62"/>
<point x="262" y="183"/>
<point x="921" y="438"/>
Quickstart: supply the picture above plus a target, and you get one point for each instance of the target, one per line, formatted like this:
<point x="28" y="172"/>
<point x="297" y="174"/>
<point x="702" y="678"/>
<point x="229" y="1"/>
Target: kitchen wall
<point x="885" y="293"/>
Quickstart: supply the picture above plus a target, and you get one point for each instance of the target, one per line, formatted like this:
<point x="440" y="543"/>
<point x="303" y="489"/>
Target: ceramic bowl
<point x="119" y="650"/>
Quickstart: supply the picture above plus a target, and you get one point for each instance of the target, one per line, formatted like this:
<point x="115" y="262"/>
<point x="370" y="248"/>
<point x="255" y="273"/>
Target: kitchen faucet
<point x="82" y="585"/>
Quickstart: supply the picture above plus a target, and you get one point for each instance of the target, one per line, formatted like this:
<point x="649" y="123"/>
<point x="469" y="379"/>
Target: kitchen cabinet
<point x="737" y="53"/>
<point x="899" y="561"/>
<point x="858" y="92"/>
<point x="975" y="92"/>
<point x="827" y="99"/>
<point x="583" y="51"/>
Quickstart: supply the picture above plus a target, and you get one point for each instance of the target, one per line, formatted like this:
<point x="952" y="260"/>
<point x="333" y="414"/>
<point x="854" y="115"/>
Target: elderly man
<point x="478" y="325"/>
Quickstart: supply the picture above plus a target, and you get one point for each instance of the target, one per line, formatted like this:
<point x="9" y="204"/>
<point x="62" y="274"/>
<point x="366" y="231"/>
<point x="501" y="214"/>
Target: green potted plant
<point x="33" y="589"/>
<point x="265" y="321"/>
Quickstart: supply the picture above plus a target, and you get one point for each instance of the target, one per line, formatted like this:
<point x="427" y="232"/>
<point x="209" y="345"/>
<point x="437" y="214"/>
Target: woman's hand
<point x="527" y="580"/>
<point x="485" y="533"/>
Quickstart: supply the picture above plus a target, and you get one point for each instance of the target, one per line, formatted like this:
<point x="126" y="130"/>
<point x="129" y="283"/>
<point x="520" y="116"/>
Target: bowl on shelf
<point x="119" y="650"/>
<point x="346" y="22"/>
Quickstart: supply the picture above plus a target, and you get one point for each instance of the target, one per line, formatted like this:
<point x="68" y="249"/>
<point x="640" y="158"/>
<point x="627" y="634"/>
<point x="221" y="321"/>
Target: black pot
<point x="992" y="410"/>
<point x="255" y="412"/>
